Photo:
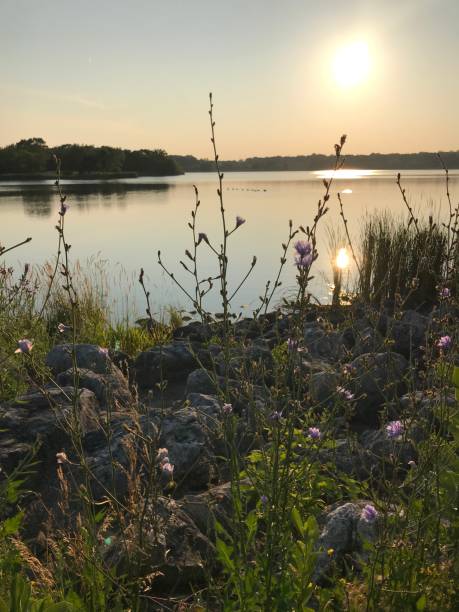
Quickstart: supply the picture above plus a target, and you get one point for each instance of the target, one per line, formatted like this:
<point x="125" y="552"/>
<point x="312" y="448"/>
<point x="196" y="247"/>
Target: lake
<point x="122" y="224"/>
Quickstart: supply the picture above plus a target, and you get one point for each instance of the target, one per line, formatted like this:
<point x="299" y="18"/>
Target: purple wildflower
<point x="264" y="500"/>
<point x="239" y="221"/>
<point x="24" y="346"/>
<point x="292" y="344"/>
<point x="302" y="248"/>
<point x="445" y="293"/>
<point x="444" y="342"/>
<point x="303" y="256"/>
<point x="369" y="513"/>
<point x="345" y="393"/>
<point x="394" y="429"/>
<point x="314" y="433"/>
<point x="227" y="409"/>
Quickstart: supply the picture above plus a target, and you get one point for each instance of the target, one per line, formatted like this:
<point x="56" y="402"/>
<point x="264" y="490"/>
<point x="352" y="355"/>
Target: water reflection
<point x="40" y="200"/>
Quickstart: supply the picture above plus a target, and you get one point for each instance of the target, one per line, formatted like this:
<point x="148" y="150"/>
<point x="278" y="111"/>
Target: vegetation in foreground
<point x="311" y="463"/>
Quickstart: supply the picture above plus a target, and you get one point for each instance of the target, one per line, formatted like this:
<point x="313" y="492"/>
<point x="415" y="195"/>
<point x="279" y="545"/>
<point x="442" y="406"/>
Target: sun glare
<point x="351" y="64"/>
<point x="342" y="259"/>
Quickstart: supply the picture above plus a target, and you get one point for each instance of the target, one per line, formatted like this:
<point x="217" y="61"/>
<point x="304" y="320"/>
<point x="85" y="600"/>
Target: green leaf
<point x="421" y="603"/>
<point x="224" y="553"/>
<point x="296" y="518"/>
<point x="11" y="525"/>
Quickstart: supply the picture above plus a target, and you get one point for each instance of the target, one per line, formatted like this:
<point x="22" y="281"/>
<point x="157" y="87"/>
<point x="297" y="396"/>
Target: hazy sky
<point x="137" y="74"/>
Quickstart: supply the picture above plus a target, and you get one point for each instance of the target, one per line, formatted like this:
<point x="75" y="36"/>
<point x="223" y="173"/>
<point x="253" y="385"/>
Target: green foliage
<point x="34" y="156"/>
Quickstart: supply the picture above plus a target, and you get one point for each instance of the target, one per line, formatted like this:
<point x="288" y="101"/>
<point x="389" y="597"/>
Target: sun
<point x="351" y="64"/>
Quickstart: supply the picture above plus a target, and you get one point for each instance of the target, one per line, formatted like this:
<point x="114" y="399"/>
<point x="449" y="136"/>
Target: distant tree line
<point x="33" y="156"/>
<point x="374" y="161"/>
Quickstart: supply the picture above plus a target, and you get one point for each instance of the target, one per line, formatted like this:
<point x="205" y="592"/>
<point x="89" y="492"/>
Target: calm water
<point x="126" y="222"/>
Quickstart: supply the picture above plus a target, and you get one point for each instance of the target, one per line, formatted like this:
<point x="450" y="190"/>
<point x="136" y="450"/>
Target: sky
<point x="137" y="74"/>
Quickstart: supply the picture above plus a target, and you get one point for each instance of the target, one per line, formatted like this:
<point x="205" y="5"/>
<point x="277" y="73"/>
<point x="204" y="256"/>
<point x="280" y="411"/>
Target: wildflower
<point x="445" y="293"/>
<point x="227" y="409"/>
<point x="161" y="454"/>
<point x="104" y="351"/>
<point x="444" y="342"/>
<point x="314" y="433"/>
<point x="239" y="221"/>
<point x="302" y="248"/>
<point x="61" y="328"/>
<point x="345" y="393"/>
<point x="167" y="471"/>
<point x="303" y="256"/>
<point x="61" y="457"/>
<point x="369" y="513"/>
<point x="394" y="429"/>
<point x="330" y="552"/>
<point x="264" y="500"/>
<point x="292" y="345"/>
<point x="24" y="346"/>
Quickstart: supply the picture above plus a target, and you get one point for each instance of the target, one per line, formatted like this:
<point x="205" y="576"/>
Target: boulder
<point x="409" y="333"/>
<point x="110" y="388"/>
<point x="172" y="362"/>
<point x="323" y="344"/>
<point x="344" y="533"/>
<point x="87" y="356"/>
<point x="377" y="378"/>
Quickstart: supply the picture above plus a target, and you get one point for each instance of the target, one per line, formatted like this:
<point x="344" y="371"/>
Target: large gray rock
<point x="87" y="356"/>
<point x="173" y="550"/>
<point x="110" y="388"/>
<point x="323" y="344"/>
<point x="409" y="333"/>
<point x="378" y="378"/>
<point x="386" y="456"/>
<point x="172" y="363"/>
<point x="344" y="533"/>
<point x="322" y="388"/>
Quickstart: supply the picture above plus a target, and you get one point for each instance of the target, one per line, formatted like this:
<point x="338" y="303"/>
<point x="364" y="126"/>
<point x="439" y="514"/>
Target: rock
<point x="344" y="532"/>
<point x="254" y="361"/>
<point x="111" y="388"/>
<point x="191" y="444"/>
<point x="194" y="332"/>
<point x="203" y="382"/>
<point x="322" y="344"/>
<point x="322" y="388"/>
<point x="174" y="550"/>
<point x="409" y="333"/>
<point x="367" y="340"/>
<point x="46" y="416"/>
<point x="171" y="362"/>
<point x="386" y="456"/>
<point x="88" y="357"/>
<point x="379" y="378"/>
